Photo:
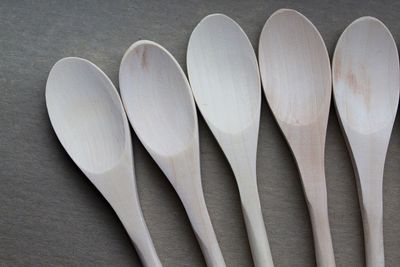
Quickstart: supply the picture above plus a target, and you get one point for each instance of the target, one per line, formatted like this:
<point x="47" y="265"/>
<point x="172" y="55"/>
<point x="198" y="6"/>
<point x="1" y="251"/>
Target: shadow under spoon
<point x="366" y="91"/>
<point x="88" y="117"/>
<point x="296" y="75"/>
<point x="225" y="80"/>
<point x="161" y="109"/>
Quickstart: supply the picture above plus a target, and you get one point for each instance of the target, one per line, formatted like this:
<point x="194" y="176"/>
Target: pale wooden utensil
<point x="225" y="80"/>
<point x="161" y="109"/>
<point x="296" y="76"/>
<point x="366" y="90"/>
<point x="89" y="120"/>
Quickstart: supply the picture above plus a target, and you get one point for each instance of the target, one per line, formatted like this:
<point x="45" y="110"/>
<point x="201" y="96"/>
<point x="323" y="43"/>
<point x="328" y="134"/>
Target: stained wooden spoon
<point x="366" y="89"/>
<point x="296" y="77"/>
<point x="89" y="120"/>
<point x="225" y="80"/>
<point x="161" y="109"/>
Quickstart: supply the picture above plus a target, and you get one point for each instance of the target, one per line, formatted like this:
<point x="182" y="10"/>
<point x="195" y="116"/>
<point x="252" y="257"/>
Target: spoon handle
<point x="313" y="178"/>
<point x="246" y="177"/>
<point x="373" y="234"/>
<point x="255" y="226"/>
<point x="193" y="200"/>
<point x="318" y="210"/>
<point x="139" y="234"/>
<point x="370" y="194"/>
<point x="118" y="186"/>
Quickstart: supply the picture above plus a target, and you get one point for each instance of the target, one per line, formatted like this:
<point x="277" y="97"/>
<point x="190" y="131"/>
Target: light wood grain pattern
<point x="89" y="120"/>
<point x="296" y="76"/>
<point x="366" y="89"/>
<point x="161" y="109"/>
<point x="225" y="80"/>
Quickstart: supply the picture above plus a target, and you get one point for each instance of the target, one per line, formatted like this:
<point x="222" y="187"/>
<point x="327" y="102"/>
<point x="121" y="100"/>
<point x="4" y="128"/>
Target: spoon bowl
<point x="296" y="75"/>
<point x="366" y="87"/>
<point x="220" y="50"/>
<point x="89" y="120"/>
<point x="162" y="112"/>
<point x="150" y="96"/>
<point x="366" y="90"/>
<point x="292" y="97"/>
<point x="79" y="104"/>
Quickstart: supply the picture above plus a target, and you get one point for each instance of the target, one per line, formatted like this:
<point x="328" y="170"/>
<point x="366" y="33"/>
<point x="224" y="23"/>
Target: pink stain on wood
<point x="360" y="84"/>
<point x="352" y="82"/>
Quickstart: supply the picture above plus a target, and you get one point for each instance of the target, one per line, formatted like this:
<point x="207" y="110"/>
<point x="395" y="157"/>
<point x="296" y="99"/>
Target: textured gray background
<point x="50" y="214"/>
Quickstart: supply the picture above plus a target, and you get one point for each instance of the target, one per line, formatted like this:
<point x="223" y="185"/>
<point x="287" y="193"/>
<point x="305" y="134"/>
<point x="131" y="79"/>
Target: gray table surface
<point x="51" y="215"/>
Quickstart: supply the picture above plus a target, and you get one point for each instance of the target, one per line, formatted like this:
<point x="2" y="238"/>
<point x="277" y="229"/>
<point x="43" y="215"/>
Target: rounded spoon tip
<point x="215" y="15"/>
<point x="140" y="43"/>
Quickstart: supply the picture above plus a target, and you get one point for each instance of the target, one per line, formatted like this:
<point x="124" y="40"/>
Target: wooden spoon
<point x="296" y="76"/>
<point x="89" y="120"/>
<point x="366" y="89"/>
<point x="224" y="75"/>
<point x="161" y="109"/>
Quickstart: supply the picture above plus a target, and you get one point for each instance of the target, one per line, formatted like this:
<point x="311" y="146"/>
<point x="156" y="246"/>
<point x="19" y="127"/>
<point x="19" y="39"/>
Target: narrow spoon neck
<point x="118" y="186"/>
<point x="183" y="171"/>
